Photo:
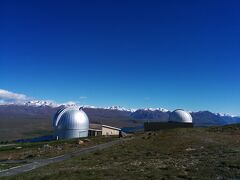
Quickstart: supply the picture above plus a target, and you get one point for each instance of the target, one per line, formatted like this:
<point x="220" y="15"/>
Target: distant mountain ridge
<point x="201" y="118"/>
<point x="48" y="108"/>
<point x="41" y="103"/>
<point x="18" y="120"/>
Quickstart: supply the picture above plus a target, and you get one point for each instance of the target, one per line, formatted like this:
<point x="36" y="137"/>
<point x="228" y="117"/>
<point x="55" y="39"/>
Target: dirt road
<point x="44" y="162"/>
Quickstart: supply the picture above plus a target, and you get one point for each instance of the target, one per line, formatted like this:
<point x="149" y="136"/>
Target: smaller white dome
<point x="181" y="116"/>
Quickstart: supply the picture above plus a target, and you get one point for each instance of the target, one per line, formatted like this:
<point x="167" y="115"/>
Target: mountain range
<point x="32" y="116"/>
<point x="47" y="109"/>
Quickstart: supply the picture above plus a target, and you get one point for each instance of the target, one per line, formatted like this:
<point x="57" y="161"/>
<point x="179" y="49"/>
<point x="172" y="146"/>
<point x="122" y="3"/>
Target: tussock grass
<point x="198" y="153"/>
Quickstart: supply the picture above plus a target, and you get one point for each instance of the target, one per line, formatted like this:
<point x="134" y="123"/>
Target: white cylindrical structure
<point x="180" y="116"/>
<point x="70" y="122"/>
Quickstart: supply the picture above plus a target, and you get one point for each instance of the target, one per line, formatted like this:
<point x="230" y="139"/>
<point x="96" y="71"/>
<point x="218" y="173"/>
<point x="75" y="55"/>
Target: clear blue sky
<point x="172" y="54"/>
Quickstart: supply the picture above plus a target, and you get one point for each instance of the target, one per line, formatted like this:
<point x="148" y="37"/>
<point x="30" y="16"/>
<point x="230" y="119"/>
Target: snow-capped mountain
<point x="34" y="103"/>
<point x="37" y="103"/>
<point x="119" y="108"/>
<point x="38" y="108"/>
<point x="37" y="115"/>
<point x="155" y="109"/>
<point x="115" y="108"/>
<point x="201" y="118"/>
<point x="224" y="115"/>
<point x="151" y="114"/>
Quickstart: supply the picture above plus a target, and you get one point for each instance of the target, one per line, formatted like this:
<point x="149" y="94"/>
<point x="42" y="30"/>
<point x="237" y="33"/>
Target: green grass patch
<point x="39" y="150"/>
<point x="197" y="153"/>
<point x="4" y="166"/>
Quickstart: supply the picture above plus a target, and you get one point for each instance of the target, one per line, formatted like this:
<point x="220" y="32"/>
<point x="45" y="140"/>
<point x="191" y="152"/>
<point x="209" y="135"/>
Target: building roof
<point x="95" y="126"/>
<point x="98" y="127"/>
<point x="71" y="118"/>
<point x="180" y="115"/>
<point x="111" y="127"/>
<point x="98" y="130"/>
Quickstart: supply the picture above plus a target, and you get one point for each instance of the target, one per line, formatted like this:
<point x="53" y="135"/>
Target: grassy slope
<point x="14" y="128"/>
<point x="210" y="153"/>
<point x="23" y="152"/>
<point x="37" y="121"/>
<point x="33" y="127"/>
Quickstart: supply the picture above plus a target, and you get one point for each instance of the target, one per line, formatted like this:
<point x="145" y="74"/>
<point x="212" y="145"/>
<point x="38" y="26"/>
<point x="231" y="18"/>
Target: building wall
<point x="94" y="133"/>
<point x="69" y="134"/>
<point x="155" y="126"/>
<point x="109" y="132"/>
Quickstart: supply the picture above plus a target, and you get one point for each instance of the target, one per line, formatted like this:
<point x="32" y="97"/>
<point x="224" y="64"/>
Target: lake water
<point x="37" y="139"/>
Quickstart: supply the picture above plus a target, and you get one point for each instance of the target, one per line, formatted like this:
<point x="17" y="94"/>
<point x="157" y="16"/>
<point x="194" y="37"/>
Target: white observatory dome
<point x="181" y="116"/>
<point x="70" y="123"/>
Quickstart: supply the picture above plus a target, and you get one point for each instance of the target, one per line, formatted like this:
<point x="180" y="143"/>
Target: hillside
<point x="35" y="118"/>
<point x="198" y="153"/>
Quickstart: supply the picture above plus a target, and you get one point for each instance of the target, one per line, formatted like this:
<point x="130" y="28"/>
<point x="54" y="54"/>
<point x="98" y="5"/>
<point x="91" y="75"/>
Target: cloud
<point x="83" y="97"/>
<point x="147" y="98"/>
<point x="11" y="97"/>
<point x="71" y="103"/>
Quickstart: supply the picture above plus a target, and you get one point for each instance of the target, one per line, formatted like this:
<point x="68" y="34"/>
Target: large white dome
<point x="71" y="122"/>
<point x="181" y="116"/>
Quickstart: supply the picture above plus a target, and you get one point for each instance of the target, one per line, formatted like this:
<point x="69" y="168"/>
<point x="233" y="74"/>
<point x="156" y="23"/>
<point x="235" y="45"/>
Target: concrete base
<point x="70" y="134"/>
<point x="155" y="126"/>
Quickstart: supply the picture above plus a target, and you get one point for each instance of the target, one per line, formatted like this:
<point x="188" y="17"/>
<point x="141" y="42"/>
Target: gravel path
<point x="43" y="162"/>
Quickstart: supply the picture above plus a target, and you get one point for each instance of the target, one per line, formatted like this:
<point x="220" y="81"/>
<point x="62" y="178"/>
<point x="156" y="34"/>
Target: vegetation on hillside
<point x="12" y="155"/>
<point x="198" y="153"/>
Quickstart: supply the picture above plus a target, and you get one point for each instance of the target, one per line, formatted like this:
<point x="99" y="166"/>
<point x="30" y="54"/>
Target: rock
<point x="47" y="146"/>
<point x="86" y="140"/>
<point x="124" y="134"/>
<point x="80" y="142"/>
<point x="190" y="149"/>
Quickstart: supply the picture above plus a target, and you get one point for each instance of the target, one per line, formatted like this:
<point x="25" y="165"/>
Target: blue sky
<point x="171" y="54"/>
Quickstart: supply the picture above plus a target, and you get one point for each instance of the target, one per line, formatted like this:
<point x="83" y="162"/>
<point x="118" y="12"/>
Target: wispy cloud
<point x="71" y="103"/>
<point x="11" y="97"/>
<point x="83" y="97"/>
<point x="147" y="98"/>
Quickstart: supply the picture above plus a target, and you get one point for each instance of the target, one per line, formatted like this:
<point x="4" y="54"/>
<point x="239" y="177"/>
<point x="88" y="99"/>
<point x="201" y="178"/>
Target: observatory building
<point x="70" y="122"/>
<point x="177" y="119"/>
<point x="180" y="116"/>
